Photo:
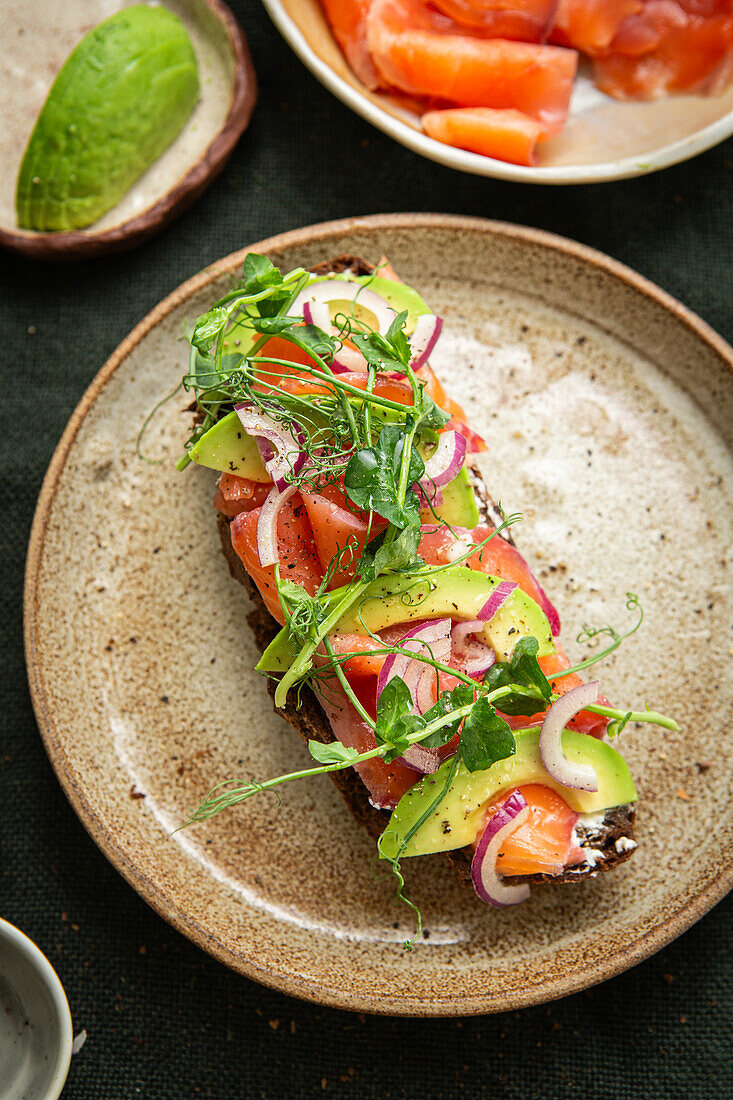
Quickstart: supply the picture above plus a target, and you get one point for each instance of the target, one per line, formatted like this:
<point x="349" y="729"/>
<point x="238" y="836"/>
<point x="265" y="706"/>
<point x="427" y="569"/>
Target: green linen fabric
<point x="163" y="1020"/>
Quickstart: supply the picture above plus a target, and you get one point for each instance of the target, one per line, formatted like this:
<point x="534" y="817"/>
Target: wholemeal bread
<point x="608" y="838"/>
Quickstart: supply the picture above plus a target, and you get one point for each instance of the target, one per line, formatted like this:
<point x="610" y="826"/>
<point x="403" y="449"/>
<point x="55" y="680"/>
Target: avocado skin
<point x="120" y="99"/>
<point x="459" y="817"/>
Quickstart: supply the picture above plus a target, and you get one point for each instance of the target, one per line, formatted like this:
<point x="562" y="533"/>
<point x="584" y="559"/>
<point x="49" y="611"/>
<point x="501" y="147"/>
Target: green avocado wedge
<point x="457" y="592"/>
<point x="120" y="99"/>
<point x="458" y="820"/>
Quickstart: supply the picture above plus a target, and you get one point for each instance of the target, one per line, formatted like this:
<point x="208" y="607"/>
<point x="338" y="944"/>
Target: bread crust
<point x="610" y="843"/>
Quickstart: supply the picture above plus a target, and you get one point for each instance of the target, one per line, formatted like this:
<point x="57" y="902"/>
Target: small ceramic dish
<point x="580" y="374"/>
<point x="42" y="38"/>
<point x="35" y="1022"/>
<point x="603" y="138"/>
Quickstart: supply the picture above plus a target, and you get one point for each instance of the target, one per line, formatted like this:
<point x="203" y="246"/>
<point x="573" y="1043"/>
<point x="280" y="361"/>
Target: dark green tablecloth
<point x="163" y="1019"/>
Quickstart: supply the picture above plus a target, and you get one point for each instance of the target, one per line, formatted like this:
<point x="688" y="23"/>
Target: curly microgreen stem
<point x="220" y="799"/>
<point x="588" y="633"/>
<point x="394" y="861"/>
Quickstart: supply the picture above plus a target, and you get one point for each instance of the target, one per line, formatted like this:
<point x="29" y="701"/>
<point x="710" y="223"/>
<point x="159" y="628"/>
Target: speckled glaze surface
<point x="228" y="93"/>
<point x="608" y="410"/>
<point x="603" y="139"/>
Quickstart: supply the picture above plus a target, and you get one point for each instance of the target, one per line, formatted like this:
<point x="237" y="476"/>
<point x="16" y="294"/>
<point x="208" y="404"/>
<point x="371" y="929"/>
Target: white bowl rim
<point x="475" y="164"/>
<point x="10" y="933"/>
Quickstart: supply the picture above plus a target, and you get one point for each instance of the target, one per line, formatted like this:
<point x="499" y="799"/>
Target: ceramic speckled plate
<point x="34" y="29"/>
<point x="608" y="409"/>
<point x="603" y="139"/>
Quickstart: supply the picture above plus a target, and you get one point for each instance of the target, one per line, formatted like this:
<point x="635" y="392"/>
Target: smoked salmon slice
<point x="347" y="19"/>
<point x="236" y="494"/>
<point x="694" y="56"/>
<point x="544" y="844"/>
<point x="528" y="20"/>
<point x="472" y="72"/>
<point x="336" y="531"/>
<point x="295" y="544"/>
<point x="504" y="135"/>
<point x="591" y="25"/>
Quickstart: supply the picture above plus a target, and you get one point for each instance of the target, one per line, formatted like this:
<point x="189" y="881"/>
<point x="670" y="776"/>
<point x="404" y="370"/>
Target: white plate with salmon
<point x="538" y="91"/>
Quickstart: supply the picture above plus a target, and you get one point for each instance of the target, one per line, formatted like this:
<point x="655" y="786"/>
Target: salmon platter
<point x="495" y="77"/>
<point x="402" y="632"/>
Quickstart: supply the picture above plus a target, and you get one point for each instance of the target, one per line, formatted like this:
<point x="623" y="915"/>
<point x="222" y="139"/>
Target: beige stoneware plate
<point x="603" y="139"/>
<point x="608" y="409"/>
<point x="35" y="29"/>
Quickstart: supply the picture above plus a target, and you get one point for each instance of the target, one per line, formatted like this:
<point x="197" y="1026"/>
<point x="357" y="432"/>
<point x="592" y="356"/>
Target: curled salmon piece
<point x="544" y="844"/>
<point x="502" y="134"/>
<point x="413" y="56"/>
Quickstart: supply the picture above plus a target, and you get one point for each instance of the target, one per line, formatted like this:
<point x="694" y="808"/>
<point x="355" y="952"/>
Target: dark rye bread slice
<point x="610" y="841"/>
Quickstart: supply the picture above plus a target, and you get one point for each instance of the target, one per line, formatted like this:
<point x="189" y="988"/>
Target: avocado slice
<point x="121" y="97"/>
<point x="457" y="592"/>
<point x="458" y="820"/>
<point x="227" y="447"/>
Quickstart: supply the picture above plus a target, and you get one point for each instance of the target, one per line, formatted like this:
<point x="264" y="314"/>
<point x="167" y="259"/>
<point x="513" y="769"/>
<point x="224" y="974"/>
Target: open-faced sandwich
<point x="404" y="636"/>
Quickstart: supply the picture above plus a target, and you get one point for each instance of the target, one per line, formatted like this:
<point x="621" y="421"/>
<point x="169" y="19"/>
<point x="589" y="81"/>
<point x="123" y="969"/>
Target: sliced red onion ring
<point x="581" y="777"/>
<point x="424" y="338"/>
<point x="419" y="678"/>
<point x="288" y="456"/>
<point x="475" y="655"/>
<point x="267" y="548"/>
<point x="431" y="637"/>
<point x="317" y="313"/>
<point x="419" y="759"/>
<point x="340" y="290"/>
<point x="487" y="882"/>
<point x="348" y="359"/>
<point x="446" y="461"/>
<point x="496" y="600"/>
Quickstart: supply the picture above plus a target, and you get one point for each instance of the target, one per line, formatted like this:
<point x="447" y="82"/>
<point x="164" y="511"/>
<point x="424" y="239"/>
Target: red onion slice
<point x="487" y="882"/>
<point x="424" y="338"/>
<point x="422" y="760"/>
<point x="581" y="777"/>
<point x="446" y="461"/>
<point x="496" y="600"/>
<point x="431" y="637"/>
<point x="267" y="548"/>
<point x="419" y="678"/>
<point x="349" y="360"/>
<point x="288" y="457"/>
<point x="317" y="313"/>
<point x="473" y="653"/>
<point x="340" y="290"/>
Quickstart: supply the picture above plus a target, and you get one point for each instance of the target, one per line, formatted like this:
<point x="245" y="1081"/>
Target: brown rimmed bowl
<point x="608" y="408"/>
<point x="39" y="38"/>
